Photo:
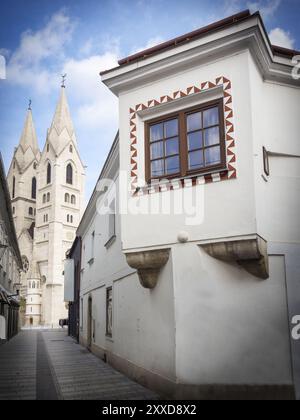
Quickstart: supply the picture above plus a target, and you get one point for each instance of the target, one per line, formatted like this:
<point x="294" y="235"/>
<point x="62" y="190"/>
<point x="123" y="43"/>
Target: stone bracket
<point x="148" y="265"/>
<point x="250" y="253"/>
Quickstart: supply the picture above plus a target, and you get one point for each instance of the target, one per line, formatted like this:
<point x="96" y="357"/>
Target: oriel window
<point x="191" y="141"/>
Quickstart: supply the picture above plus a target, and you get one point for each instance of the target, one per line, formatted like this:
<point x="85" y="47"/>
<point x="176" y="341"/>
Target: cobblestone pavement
<point x="49" y="365"/>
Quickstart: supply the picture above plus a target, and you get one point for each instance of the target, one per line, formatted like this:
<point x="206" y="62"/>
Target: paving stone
<point x="56" y="363"/>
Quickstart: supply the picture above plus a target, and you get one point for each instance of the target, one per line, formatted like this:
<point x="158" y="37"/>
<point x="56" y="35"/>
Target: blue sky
<point x="41" y="39"/>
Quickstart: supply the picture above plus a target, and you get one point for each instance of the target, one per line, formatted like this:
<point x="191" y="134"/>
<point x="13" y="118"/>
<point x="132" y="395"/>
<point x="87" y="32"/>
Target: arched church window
<point x="71" y="148"/>
<point x="48" y="197"/>
<point x="14" y="166"/>
<point x="33" y="188"/>
<point x="44" y="198"/>
<point x="30" y="211"/>
<point x="68" y="218"/>
<point x="67" y="198"/>
<point x="48" y="173"/>
<point x="48" y="147"/>
<point x="69" y="174"/>
<point x="14" y="210"/>
<point x="33" y="284"/>
<point x="71" y="219"/>
<point x="73" y="199"/>
<point x="14" y="187"/>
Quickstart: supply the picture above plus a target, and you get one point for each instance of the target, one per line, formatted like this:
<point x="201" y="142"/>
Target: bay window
<point x="187" y="142"/>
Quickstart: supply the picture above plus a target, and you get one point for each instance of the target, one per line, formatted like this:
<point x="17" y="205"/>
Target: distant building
<point x="10" y="264"/>
<point x="47" y="190"/>
<point x="198" y="302"/>
<point x="72" y="287"/>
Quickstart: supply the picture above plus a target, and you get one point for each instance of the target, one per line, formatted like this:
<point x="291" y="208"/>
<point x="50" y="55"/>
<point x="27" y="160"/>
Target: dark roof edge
<point x="229" y="21"/>
<point x="285" y="52"/>
<point x="187" y="37"/>
<point x="116" y="139"/>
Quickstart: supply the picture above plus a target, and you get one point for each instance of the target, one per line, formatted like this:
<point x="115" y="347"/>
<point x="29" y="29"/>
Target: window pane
<point x="196" y="159"/>
<point x="171" y="128"/>
<point x="156" y="132"/>
<point x="212" y="155"/>
<point x="157" y="150"/>
<point x="194" y="121"/>
<point x="211" y="117"/>
<point x="195" y="140"/>
<point x="172" y="165"/>
<point x="157" y="167"/>
<point x="212" y="136"/>
<point x="172" y="147"/>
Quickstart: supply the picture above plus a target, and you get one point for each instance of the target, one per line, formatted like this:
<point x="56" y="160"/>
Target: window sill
<point x="110" y="241"/>
<point x="109" y="338"/>
<point x="166" y="181"/>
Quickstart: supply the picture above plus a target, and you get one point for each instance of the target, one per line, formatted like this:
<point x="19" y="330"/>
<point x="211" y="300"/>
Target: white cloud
<point x="5" y="52"/>
<point x="266" y="8"/>
<point x="281" y="38"/>
<point x="150" y="43"/>
<point x="28" y="64"/>
<point x="232" y="6"/>
<point x="97" y="106"/>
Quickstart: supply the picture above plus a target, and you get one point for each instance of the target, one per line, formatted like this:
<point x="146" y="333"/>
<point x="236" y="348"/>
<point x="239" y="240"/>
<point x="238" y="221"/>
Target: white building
<point x="47" y="190"/>
<point x="199" y="302"/>
<point x="10" y="265"/>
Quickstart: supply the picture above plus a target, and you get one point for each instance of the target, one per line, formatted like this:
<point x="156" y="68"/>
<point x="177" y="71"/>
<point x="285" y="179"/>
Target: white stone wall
<point x="231" y="328"/>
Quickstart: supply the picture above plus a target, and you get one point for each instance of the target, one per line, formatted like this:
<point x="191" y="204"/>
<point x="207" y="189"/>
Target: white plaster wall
<point x="276" y="125"/>
<point x="143" y="320"/>
<point x="231" y="328"/>
<point x="229" y="206"/>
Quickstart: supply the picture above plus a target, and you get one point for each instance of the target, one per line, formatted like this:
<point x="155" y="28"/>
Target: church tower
<point x="22" y="181"/>
<point x="60" y="192"/>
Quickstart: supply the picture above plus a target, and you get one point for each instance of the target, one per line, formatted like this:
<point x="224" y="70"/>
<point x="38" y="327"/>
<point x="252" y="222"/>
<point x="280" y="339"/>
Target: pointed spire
<point x="62" y="117"/>
<point x="28" y="137"/>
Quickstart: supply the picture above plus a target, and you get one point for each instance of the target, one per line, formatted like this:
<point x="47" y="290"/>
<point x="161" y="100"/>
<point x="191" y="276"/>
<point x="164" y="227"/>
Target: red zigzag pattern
<point x="231" y="173"/>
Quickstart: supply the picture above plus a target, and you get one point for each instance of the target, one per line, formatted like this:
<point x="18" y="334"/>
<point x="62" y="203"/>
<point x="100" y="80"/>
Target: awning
<point x="13" y="302"/>
<point x="4" y="298"/>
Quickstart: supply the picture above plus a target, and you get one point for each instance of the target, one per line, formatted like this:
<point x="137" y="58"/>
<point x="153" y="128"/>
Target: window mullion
<point x="182" y="144"/>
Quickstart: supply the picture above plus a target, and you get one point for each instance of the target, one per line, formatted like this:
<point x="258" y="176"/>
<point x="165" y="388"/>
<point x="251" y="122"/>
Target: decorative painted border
<point x="231" y="171"/>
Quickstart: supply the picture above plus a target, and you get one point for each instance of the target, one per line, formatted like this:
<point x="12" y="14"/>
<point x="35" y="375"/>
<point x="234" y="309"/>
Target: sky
<point x="42" y="39"/>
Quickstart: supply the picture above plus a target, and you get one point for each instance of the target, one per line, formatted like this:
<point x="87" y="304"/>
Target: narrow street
<point x="49" y="365"/>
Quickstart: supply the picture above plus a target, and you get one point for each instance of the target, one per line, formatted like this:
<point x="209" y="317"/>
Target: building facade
<point x="10" y="265"/>
<point x="72" y="277"/>
<point x="47" y="190"/>
<point x="192" y="287"/>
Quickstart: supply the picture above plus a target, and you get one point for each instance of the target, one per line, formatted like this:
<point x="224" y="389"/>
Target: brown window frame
<point x="183" y="142"/>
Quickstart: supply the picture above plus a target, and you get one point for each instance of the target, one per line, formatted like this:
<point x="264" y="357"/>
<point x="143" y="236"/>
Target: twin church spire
<point x="28" y="137"/>
<point x="60" y="133"/>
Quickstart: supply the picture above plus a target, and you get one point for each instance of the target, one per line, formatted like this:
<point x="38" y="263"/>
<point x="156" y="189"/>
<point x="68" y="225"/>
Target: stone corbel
<point x="250" y="253"/>
<point x="148" y="265"/>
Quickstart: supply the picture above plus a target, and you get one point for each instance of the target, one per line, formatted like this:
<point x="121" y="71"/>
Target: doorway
<point x="89" y="323"/>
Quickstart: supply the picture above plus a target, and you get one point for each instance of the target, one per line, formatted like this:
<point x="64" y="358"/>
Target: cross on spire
<point x="29" y="105"/>
<point x="63" y="76"/>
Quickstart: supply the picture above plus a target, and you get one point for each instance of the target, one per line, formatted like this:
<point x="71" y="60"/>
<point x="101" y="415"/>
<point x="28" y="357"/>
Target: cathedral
<point x="47" y="194"/>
